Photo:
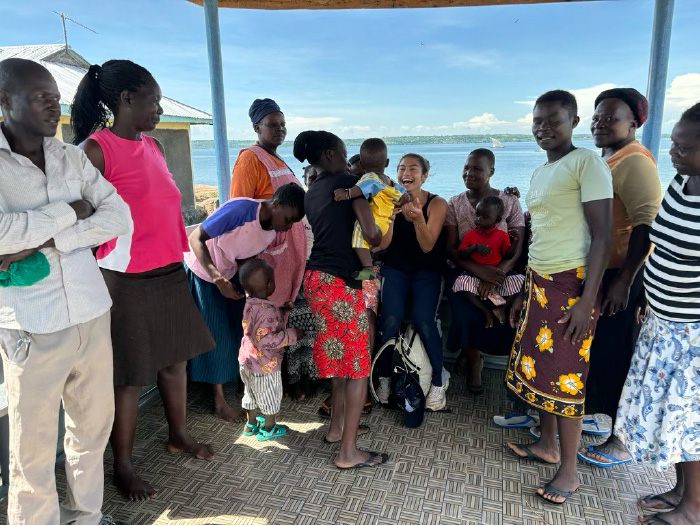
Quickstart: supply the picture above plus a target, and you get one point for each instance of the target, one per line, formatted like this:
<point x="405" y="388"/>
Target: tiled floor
<point x="452" y="470"/>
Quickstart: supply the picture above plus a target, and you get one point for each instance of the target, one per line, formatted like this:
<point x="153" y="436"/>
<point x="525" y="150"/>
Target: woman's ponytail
<point x="311" y="145"/>
<point x="88" y="112"/>
<point x="97" y="98"/>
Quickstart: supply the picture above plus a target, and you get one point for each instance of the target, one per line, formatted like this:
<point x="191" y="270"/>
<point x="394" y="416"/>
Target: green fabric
<point x="26" y="271"/>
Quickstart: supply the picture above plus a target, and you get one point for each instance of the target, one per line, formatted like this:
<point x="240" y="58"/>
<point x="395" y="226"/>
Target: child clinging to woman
<point x="264" y="337"/>
<point x="489" y="245"/>
<point x="383" y="195"/>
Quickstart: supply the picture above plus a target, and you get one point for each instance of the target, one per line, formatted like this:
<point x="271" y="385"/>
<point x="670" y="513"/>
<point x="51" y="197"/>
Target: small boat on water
<point x="495" y="143"/>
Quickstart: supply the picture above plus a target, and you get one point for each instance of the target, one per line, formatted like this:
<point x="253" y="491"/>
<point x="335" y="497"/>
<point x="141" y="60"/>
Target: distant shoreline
<point x="413" y="140"/>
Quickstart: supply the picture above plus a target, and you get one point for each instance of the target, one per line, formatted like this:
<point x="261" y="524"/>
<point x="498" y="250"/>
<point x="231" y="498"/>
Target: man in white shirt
<point x="55" y="333"/>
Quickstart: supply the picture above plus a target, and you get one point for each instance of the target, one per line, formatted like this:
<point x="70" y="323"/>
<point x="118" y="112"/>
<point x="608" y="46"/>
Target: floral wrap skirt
<point x="545" y="369"/>
<point x="341" y="345"/>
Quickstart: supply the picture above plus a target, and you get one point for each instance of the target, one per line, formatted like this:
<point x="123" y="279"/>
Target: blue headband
<point x="260" y="108"/>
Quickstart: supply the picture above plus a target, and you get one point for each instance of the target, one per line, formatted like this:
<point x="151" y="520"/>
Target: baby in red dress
<point x="489" y="245"/>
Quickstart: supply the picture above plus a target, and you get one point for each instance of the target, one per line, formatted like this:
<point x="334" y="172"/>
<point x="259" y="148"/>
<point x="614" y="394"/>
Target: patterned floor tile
<point x="454" y="469"/>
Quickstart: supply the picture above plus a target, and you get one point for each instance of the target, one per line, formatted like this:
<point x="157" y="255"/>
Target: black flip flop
<point x="369" y="463"/>
<point x="529" y="454"/>
<point x="656" y="517"/>
<point x="548" y="488"/>
<point x="358" y="434"/>
<point x="671" y="505"/>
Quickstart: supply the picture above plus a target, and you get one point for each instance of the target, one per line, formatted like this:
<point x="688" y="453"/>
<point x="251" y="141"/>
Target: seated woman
<point x="471" y="335"/>
<point x="413" y="266"/>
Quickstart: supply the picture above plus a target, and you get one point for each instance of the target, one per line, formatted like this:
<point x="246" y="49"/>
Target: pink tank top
<point x="138" y="171"/>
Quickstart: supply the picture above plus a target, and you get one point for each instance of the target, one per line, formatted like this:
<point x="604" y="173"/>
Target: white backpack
<point x="413" y="355"/>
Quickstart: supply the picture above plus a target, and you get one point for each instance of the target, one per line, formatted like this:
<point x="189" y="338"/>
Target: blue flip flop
<point x="614" y="461"/>
<point x="515" y="420"/>
<point x="589" y="426"/>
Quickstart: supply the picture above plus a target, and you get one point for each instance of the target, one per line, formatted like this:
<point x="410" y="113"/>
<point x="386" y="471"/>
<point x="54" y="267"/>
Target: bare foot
<point x="230" y="414"/>
<point x="185" y="442"/>
<point x="474" y="384"/>
<point x="299" y="397"/>
<point x="334" y="438"/>
<point x="500" y="314"/>
<point x="489" y="319"/>
<point x="610" y="447"/>
<point x="680" y="515"/>
<point x="461" y="364"/>
<point x="131" y="486"/>
<point x="662" y="501"/>
<point x="359" y="457"/>
<point x="547" y="455"/>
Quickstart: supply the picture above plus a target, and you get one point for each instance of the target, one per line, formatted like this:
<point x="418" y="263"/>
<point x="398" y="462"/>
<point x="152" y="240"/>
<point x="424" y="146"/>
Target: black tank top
<point x="404" y="252"/>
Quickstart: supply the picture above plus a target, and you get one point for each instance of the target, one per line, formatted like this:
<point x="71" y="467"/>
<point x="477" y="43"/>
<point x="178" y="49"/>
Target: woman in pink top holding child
<point x="239" y="230"/>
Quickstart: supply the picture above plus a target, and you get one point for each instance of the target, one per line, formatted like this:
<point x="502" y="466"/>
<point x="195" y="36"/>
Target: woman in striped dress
<point x="658" y="418"/>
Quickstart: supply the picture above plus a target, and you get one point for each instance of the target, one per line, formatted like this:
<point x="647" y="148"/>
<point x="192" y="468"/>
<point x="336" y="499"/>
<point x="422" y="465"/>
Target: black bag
<point x="408" y="396"/>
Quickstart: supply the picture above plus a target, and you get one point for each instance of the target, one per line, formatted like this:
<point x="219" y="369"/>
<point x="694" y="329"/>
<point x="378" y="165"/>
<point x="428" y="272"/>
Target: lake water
<point x="515" y="163"/>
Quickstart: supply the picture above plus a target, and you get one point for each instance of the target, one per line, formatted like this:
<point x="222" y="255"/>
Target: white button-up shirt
<point x="33" y="209"/>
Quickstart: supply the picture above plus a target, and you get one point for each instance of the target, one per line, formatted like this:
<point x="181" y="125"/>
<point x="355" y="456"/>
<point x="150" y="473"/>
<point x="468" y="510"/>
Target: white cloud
<point x="684" y="91"/>
<point x="296" y="121"/>
<point x="525" y="119"/>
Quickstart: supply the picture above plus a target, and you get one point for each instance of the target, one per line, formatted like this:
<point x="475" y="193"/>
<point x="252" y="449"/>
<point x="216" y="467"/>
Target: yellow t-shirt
<point x="560" y="235"/>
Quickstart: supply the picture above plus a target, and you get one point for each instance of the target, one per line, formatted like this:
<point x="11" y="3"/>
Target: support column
<point x="218" y="105"/>
<point x="658" y="70"/>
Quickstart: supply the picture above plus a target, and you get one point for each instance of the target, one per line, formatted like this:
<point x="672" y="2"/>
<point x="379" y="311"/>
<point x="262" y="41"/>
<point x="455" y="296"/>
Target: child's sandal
<point x="277" y="430"/>
<point x="250" y="429"/>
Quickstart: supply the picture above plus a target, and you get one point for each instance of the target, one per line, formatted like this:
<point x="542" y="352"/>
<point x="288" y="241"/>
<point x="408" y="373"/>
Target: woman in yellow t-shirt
<point x="570" y="202"/>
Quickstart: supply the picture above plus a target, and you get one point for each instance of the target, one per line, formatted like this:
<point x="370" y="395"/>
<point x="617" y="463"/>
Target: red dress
<point x="496" y="239"/>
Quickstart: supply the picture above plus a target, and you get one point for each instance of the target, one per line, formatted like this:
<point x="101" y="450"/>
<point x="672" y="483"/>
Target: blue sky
<point x="380" y="72"/>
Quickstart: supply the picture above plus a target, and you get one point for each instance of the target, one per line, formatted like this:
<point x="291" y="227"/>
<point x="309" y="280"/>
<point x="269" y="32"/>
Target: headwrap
<point x="260" y="108"/>
<point x="635" y="100"/>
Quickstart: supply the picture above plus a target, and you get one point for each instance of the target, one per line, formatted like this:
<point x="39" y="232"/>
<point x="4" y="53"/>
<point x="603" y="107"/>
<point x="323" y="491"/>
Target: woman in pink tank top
<point x="156" y="326"/>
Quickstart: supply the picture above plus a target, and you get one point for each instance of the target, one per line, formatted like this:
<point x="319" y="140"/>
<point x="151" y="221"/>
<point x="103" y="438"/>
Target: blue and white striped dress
<point x="658" y="418"/>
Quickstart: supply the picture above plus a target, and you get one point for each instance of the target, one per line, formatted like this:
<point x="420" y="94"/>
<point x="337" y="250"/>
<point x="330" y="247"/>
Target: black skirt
<point x="155" y="323"/>
<point x="611" y="351"/>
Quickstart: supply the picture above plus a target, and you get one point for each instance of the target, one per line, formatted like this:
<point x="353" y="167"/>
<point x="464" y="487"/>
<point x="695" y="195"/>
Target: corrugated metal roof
<point x="368" y="4"/>
<point x="68" y="68"/>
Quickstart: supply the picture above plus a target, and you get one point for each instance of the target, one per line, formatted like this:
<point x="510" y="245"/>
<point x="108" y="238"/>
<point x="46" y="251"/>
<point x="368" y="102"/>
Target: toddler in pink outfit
<point x="260" y="357"/>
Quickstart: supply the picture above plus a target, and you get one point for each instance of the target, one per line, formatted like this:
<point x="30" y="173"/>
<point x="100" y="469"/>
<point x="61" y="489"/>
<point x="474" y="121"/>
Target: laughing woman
<point x="570" y="200"/>
<point x="658" y="419"/>
<point x="413" y="267"/>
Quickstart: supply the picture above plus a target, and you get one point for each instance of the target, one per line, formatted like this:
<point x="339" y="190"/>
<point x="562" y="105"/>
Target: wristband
<point x="347" y="194"/>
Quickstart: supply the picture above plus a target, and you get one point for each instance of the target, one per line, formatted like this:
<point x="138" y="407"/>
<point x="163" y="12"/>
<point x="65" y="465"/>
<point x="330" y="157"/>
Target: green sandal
<point x="277" y="430"/>
<point x="250" y="429"/>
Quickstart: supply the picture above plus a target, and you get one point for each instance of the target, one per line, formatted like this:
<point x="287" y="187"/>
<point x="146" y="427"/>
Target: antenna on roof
<point x="65" y="17"/>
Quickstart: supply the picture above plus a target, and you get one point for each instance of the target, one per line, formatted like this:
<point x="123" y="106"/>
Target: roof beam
<point x="370" y="4"/>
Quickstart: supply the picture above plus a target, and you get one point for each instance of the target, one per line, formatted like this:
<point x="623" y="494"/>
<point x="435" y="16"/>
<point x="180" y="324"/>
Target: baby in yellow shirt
<point x="382" y="193"/>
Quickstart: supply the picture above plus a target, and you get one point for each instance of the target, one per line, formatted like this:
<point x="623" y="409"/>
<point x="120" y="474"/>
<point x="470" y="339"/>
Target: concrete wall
<point x="175" y="138"/>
